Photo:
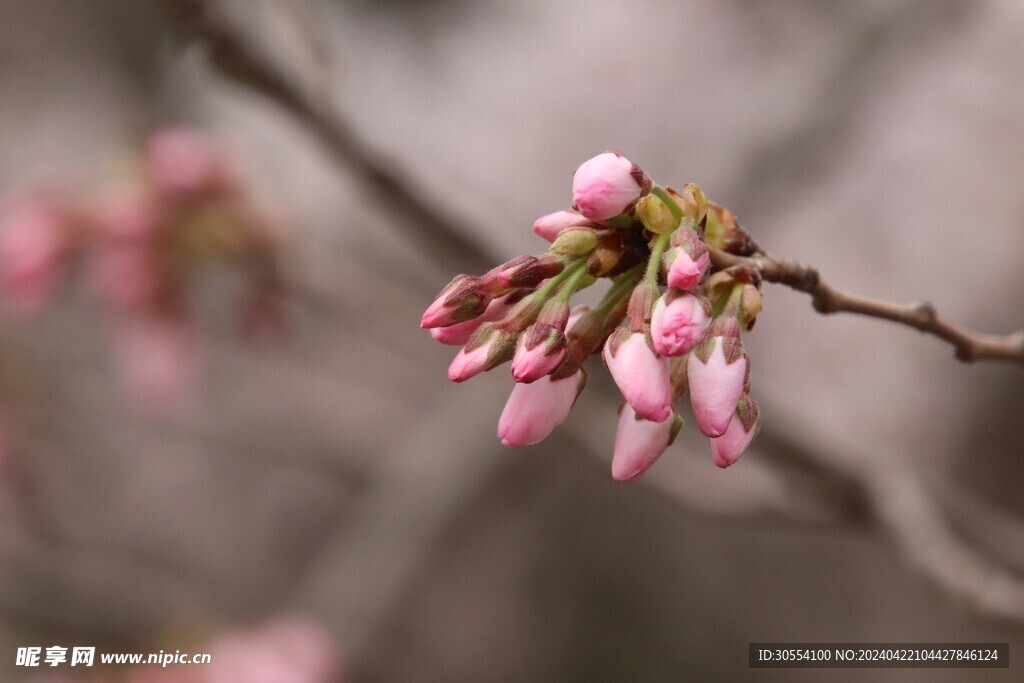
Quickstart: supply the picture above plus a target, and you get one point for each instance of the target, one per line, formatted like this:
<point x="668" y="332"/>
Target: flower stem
<point x="572" y="283"/>
<point x="572" y="269"/>
<point x="654" y="262"/>
<point x="619" y="290"/>
<point x="526" y="311"/>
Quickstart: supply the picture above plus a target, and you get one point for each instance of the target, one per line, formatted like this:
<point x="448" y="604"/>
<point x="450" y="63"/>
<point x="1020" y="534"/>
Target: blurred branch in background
<point x="233" y="55"/>
<point x="891" y="497"/>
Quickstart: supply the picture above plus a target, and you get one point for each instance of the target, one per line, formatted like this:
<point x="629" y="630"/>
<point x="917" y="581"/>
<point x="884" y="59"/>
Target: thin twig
<point x="970" y="346"/>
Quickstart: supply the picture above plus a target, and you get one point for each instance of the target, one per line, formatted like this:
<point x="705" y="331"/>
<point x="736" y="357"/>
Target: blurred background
<point x="341" y="477"/>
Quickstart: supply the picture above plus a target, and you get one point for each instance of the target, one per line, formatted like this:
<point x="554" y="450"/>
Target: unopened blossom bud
<point x="720" y="286"/>
<point x="679" y="323"/>
<point x="575" y="242"/>
<point x="529" y="271"/>
<point x="717" y="371"/>
<point x="607" y="185"/>
<point x="639" y="443"/>
<point x="489" y="347"/>
<point x="552" y="224"/>
<point x="34" y="241"/>
<point x="722" y="231"/>
<point x="656" y="215"/>
<point x="687" y="261"/>
<point x="745" y="424"/>
<point x="464" y="298"/>
<point x="459" y="333"/>
<point x="750" y="304"/>
<point x="641" y="375"/>
<point x="534" y="410"/>
<point x="541" y="349"/>
<point x="617" y="251"/>
<point x="692" y="202"/>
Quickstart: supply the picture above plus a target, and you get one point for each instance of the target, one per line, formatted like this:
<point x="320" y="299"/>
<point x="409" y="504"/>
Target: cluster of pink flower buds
<point x="657" y="345"/>
<point x="138" y="239"/>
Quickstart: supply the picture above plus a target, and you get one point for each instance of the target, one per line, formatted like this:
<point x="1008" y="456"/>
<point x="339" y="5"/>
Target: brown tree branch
<point x="970" y="346"/>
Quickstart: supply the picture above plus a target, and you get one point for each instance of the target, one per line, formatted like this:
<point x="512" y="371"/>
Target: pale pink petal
<point x="727" y="449"/>
<point x="606" y="185"/>
<point x="715" y="389"/>
<point x="284" y="650"/>
<point x="642" y="377"/>
<point x="467" y="364"/>
<point x="678" y="326"/>
<point x="534" y="410"/>
<point x="459" y="333"/>
<point x="541" y="349"/>
<point x="638" y="444"/>
<point x="185" y="164"/>
<point x="530" y="365"/>
<point x="685" y="273"/>
<point x="33" y="244"/>
<point x="552" y="224"/>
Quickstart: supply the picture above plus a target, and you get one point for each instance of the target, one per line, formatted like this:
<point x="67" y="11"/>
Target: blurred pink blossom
<point x="159" y="358"/>
<point x="34" y="242"/>
<point x="185" y="164"/>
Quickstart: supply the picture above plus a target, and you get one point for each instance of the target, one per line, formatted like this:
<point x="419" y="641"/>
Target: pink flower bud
<point x="464" y="298"/>
<point x="688" y="261"/>
<point x="717" y="372"/>
<point x="529" y="271"/>
<point x="541" y="349"/>
<point x="184" y="164"/>
<point x="677" y="326"/>
<point x="34" y="242"/>
<point x="552" y="224"/>
<point x="639" y="443"/>
<point x="608" y="185"/>
<point x="459" y="333"/>
<point x="642" y="377"/>
<point x="487" y="348"/>
<point x="745" y="425"/>
<point x="685" y="273"/>
<point x="534" y="410"/>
